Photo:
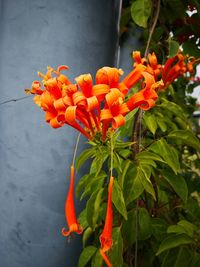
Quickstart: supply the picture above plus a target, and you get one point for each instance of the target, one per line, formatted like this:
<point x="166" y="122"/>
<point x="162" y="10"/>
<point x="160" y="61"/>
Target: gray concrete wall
<point x="34" y="158"/>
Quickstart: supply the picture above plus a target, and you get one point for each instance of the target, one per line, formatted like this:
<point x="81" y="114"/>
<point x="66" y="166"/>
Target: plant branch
<point x="152" y="28"/>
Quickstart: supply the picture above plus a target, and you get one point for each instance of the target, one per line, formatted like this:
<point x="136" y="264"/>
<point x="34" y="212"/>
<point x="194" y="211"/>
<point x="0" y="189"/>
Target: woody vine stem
<point x="136" y="135"/>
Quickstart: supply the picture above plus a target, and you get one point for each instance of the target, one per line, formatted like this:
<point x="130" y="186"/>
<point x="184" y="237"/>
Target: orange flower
<point x="106" y="235"/>
<point x="145" y="98"/>
<point x="113" y="112"/>
<point x="134" y="76"/>
<point x="151" y="64"/>
<point x="70" y="214"/>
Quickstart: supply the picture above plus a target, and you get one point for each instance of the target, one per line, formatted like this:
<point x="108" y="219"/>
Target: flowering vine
<point x="98" y="108"/>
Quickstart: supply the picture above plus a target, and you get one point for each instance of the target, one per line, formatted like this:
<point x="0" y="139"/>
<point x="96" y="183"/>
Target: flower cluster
<point x="94" y="108"/>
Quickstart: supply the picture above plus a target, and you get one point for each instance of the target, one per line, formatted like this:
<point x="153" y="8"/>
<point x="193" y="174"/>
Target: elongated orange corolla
<point x="70" y="213"/>
<point x="106" y="236"/>
<point x="95" y="109"/>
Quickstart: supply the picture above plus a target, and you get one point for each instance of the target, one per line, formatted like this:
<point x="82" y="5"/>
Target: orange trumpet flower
<point x="70" y="214"/>
<point x="106" y="235"/>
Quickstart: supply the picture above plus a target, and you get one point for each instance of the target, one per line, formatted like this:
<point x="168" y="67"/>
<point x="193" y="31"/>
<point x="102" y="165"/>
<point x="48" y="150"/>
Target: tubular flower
<point x="151" y="63"/>
<point x="114" y="111"/>
<point x="94" y="108"/>
<point x="175" y="67"/>
<point x="70" y="214"/>
<point x="106" y="235"/>
<point x="145" y="98"/>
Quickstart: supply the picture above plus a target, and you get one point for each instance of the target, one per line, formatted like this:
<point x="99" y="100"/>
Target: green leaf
<point x="86" y="255"/>
<point x="97" y="259"/>
<point x="150" y="121"/>
<point x="82" y="218"/>
<point x="177" y="182"/>
<point x="116" y="254"/>
<point x="187" y="138"/>
<point x="97" y="163"/>
<point x="158" y="227"/>
<point x="126" y="129"/>
<point x="184" y="227"/>
<point x="144" y="224"/>
<point x="93" y="206"/>
<point x="125" y="167"/>
<point x="87" y="153"/>
<point x="173" y="47"/>
<point x="82" y="183"/>
<point x="188" y="227"/>
<point x="94" y="183"/>
<point x="87" y="233"/>
<point x="133" y="186"/>
<point x="184" y="257"/>
<point x="128" y="228"/>
<point x="162" y="125"/>
<point x="169" y="258"/>
<point x="173" y="241"/>
<point x="144" y="173"/>
<point x="141" y="11"/>
<point x="149" y="155"/>
<point x="162" y="148"/>
<point x="118" y="199"/>
<point x="191" y="48"/>
<point x="173" y="107"/>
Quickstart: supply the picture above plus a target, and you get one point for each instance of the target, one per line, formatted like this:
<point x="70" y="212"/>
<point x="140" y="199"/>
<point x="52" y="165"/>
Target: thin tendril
<point x="76" y="147"/>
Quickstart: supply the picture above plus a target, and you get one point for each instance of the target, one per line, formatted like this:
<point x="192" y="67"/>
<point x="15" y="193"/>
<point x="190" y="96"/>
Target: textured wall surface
<point x="34" y="158"/>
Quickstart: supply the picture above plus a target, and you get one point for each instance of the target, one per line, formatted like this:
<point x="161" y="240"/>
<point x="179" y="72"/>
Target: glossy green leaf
<point x="177" y="182"/>
<point x="94" y="183"/>
<point x="86" y="255"/>
<point x="82" y="218"/>
<point x="173" y="107"/>
<point x="86" y="234"/>
<point x="116" y="253"/>
<point x="86" y="154"/>
<point x="162" y="148"/>
<point x="187" y="138"/>
<point x="82" y="183"/>
<point x="141" y="11"/>
<point x="173" y="241"/>
<point x="150" y="121"/>
<point x="92" y="207"/>
<point x="173" y="48"/>
<point x="162" y="124"/>
<point x="118" y="199"/>
<point x="149" y="155"/>
<point x="126" y="129"/>
<point x="98" y="162"/>
<point x="125" y="167"/>
<point x="133" y="186"/>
